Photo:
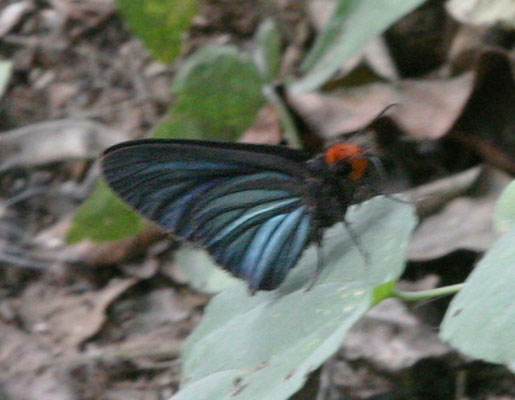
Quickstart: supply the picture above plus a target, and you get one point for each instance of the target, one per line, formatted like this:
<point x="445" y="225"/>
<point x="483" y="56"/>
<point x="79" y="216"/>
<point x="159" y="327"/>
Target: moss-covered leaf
<point x="104" y="217"/>
<point x="220" y="89"/>
<point x="159" y="23"/>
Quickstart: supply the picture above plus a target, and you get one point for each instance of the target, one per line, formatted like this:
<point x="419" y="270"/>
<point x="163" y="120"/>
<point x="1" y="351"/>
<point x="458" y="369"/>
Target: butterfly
<point x="254" y="208"/>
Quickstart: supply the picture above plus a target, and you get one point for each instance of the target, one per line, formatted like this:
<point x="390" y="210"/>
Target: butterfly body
<point x="255" y="208"/>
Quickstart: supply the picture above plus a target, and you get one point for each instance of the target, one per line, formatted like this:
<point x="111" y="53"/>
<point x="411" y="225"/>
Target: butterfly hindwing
<point x="244" y="203"/>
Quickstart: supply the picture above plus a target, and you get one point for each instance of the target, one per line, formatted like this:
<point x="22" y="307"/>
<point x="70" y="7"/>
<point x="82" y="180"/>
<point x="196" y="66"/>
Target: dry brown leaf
<point x="427" y="108"/>
<point x="65" y="318"/>
<point x="392" y="338"/>
<point x="110" y="253"/>
<point x="55" y="141"/>
<point x="11" y="14"/>
<point x="464" y="223"/>
<point x="266" y="129"/>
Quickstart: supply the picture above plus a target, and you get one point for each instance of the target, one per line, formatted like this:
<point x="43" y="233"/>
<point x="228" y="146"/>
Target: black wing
<point x="247" y="204"/>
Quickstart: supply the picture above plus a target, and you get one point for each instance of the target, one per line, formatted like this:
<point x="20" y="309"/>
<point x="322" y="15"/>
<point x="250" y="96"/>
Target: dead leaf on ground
<point x="65" y="318"/>
<point x="427" y="108"/>
<point x="27" y="369"/>
<point x="110" y="253"/>
<point x="392" y="338"/>
<point x="55" y="141"/>
<point x="266" y="128"/>
<point x="464" y="223"/>
<point x="12" y="14"/>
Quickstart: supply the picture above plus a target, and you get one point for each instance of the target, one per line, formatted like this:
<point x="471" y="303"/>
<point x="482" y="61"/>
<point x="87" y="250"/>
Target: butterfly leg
<point x="320" y="262"/>
<point x="357" y="242"/>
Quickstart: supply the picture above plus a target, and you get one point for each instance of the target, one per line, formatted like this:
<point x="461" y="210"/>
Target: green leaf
<point x="263" y="346"/>
<point x="179" y="127"/>
<point x="352" y="26"/>
<point x="268" y="52"/>
<point x="159" y="23"/>
<point x="104" y="217"/>
<point x="220" y="89"/>
<point x="480" y="321"/>
<point x="5" y="75"/>
<point x="504" y="215"/>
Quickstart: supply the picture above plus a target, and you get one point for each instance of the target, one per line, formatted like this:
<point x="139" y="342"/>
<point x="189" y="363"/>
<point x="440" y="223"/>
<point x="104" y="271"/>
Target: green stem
<point x="427" y="294"/>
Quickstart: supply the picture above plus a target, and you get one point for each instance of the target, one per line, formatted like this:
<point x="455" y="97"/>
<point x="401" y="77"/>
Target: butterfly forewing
<point x="247" y="204"/>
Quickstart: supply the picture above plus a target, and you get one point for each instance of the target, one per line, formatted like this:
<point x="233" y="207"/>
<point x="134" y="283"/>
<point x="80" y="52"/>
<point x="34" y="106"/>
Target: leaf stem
<point x="427" y="294"/>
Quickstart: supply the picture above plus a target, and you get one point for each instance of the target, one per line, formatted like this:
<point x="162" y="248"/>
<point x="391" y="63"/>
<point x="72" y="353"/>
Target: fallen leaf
<point x="35" y="145"/>
<point x="464" y="223"/>
<point x="63" y="317"/>
<point x="266" y="129"/>
<point x="12" y="14"/>
<point x="427" y="108"/>
<point x="392" y="338"/>
<point x="28" y="370"/>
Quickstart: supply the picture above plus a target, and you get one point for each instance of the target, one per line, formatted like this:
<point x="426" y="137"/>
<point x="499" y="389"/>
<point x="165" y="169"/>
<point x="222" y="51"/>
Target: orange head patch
<point x="350" y="153"/>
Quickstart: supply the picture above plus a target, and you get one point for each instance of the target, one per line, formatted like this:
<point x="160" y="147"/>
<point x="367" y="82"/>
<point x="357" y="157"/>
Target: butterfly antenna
<point x="357" y="242"/>
<point x="376" y="118"/>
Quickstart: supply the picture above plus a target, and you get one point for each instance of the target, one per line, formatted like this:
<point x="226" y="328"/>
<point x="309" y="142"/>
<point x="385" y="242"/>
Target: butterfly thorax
<point x="339" y="172"/>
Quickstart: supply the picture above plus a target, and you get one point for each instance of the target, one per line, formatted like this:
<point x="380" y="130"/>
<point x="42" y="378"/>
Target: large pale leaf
<point x="220" y="89"/>
<point x="263" y="346"/>
<point x="480" y="320"/>
<point x="353" y="24"/>
<point x="159" y="23"/>
<point x="504" y="216"/>
<point x="202" y="272"/>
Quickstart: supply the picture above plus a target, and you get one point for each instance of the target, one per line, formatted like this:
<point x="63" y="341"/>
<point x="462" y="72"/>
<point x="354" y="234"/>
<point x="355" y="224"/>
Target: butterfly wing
<point x="245" y="203"/>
